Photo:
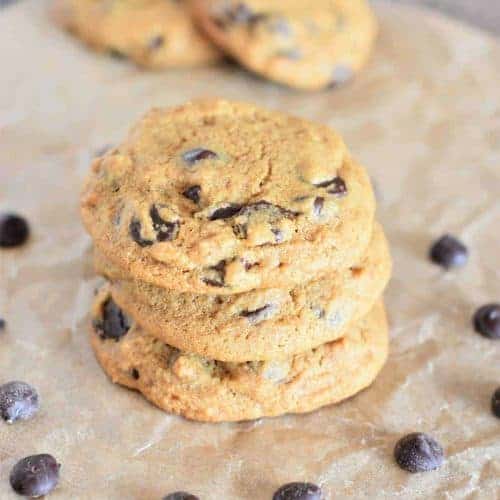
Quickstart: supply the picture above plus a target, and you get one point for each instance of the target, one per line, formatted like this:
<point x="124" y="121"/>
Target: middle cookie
<point x="262" y="324"/>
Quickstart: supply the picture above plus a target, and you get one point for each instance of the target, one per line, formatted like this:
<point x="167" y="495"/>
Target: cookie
<point x="262" y="324"/>
<point x="203" y="389"/>
<point x="216" y="197"/>
<point x="299" y="43"/>
<point x="153" y="33"/>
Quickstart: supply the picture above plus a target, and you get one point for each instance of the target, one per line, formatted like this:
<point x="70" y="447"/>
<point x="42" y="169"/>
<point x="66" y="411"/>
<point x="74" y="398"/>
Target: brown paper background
<point x="425" y="119"/>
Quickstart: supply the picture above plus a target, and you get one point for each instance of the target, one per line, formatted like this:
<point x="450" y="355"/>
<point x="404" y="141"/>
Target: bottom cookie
<point x="213" y="391"/>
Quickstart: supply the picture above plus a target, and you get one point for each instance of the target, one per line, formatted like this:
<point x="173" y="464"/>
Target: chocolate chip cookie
<point x="216" y="197"/>
<point x="207" y="390"/>
<point x="303" y="44"/>
<point x="152" y="33"/>
<point x="262" y="324"/>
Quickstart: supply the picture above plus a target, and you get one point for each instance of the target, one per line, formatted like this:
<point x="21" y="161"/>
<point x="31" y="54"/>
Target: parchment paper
<point x="425" y="119"/>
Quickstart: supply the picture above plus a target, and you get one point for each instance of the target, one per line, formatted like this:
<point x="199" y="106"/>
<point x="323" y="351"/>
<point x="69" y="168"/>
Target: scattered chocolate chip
<point x="260" y="314"/>
<point x="35" y="476"/>
<point x="3" y="324"/>
<point x="418" y="452"/>
<point x="216" y="275"/>
<point x="165" y="230"/>
<point x="117" y="54"/>
<point x="495" y="403"/>
<point x="192" y="193"/>
<point x="156" y="42"/>
<point x="18" y="401"/>
<point x="341" y="74"/>
<point x="135" y="374"/>
<point x="318" y="204"/>
<point x="180" y="495"/>
<point x="225" y="212"/>
<point x="448" y="252"/>
<point x="114" y="323"/>
<point x="487" y="321"/>
<point x="14" y="230"/>
<point x="335" y="186"/>
<point x="198" y="154"/>
<point x="299" y="491"/>
<point x="135" y="232"/>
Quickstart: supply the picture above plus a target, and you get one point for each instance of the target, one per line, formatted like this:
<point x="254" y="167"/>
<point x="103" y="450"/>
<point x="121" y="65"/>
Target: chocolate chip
<point x="165" y="230"/>
<point x="299" y="491"/>
<point x="341" y="74"/>
<point x="487" y="321"/>
<point x="225" y="212"/>
<point x="35" y="476"/>
<point x="117" y="54"/>
<point x="180" y="495"/>
<point x="336" y="186"/>
<point x="14" y="230"/>
<point x="135" y="229"/>
<point x="156" y="42"/>
<point x="192" y="193"/>
<point x="3" y="324"/>
<point x="114" y="323"/>
<point x="448" y="252"/>
<point x="318" y="204"/>
<point x="260" y="314"/>
<point x="418" y="452"/>
<point x="135" y="374"/>
<point x="495" y="403"/>
<point x="18" y="401"/>
<point x="216" y="275"/>
<point x="198" y="154"/>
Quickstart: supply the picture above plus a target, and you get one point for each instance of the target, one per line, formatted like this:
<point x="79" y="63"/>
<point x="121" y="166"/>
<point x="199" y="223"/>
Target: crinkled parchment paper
<point x="425" y="119"/>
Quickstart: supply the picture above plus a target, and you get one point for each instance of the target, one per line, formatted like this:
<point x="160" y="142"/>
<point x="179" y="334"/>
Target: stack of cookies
<point x="299" y="43"/>
<point x="244" y="266"/>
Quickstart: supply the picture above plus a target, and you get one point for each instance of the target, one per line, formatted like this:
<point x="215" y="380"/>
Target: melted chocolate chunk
<point x="495" y="403"/>
<point x="156" y="42"/>
<point x="14" y="230"/>
<point x="448" y="252"/>
<point x="299" y="491"/>
<point x="165" y="230"/>
<point x="18" y="401"/>
<point x="335" y="186"/>
<point x="192" y="193"/>
<point x="35" y="476"/>
<point x="180" y="495"/>
<point x="135" y="374"/>
<point x="487" y="321"/>
<point x="114" y="323"/>
<point x="225" y="212"/>
<point x="135" y="232"/>
<point x="260" y="314"/>
<point x="198" y="154"/>
<point x="418" y="452"/>
<point x="216" y="275"/>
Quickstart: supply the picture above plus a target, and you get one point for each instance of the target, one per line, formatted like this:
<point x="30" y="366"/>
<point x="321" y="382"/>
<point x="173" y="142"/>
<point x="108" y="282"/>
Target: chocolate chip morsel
<point x="2" y="324"/>
<point x="198" y="154"/>
<point x="299" y="491"/>
<point x="114" y="324"/>
<point x="495" y="403"/>
<point x="487" y="321"/>
<point x="192" y="193"/>
<point x="448" y="252"/>
<point x="418" y="452"/>
<point x="35" y="476"/>
<point x="14" y="230"/>
<point x="180" y="495"/>
<point x="18" y="401"/>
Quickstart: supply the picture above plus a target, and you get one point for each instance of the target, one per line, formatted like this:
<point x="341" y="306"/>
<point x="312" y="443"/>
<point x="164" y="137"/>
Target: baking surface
<point x="425" y="119"/>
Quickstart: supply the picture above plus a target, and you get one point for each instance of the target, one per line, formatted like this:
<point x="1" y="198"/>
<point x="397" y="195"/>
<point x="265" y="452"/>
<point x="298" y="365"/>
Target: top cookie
<point x="152" y="33"/>
<point x="304" y="44"/>
<point x="220" y="198"/>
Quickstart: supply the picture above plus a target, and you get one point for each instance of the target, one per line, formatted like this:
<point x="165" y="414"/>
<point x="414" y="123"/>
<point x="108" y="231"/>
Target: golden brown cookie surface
<point x="304" y="44"/>
<point x="152" y="33"/>
<point x="216" y="197"/>
<point x="207" y="390"/>
<point x="263" y="324"/>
